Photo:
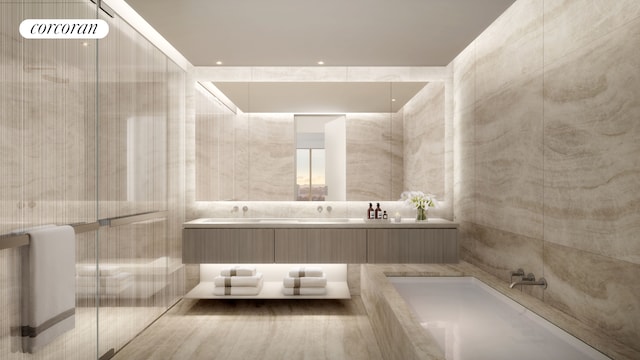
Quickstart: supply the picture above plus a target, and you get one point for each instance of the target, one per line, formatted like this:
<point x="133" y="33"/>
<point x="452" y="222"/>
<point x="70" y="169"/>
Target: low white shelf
<point x="337" y="287"/>
<point x="271" y="290"/>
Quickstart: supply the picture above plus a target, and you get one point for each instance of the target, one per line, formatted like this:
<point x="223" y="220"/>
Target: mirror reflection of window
<point x="310" y="177"/>
<point x="320" y="157"/>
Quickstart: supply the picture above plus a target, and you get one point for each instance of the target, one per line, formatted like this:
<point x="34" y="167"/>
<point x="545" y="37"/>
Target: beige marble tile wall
<point x="545" y="116"/>
<point x="424" y="141"/>
<point x="271" y="156"/>
<point x="397" y="154"/>
<point x="369" y="156"/>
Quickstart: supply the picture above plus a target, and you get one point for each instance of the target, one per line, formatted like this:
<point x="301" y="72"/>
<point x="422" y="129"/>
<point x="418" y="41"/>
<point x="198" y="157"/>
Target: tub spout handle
<point x="530" y="280"/>
<point x="518" y="272"/>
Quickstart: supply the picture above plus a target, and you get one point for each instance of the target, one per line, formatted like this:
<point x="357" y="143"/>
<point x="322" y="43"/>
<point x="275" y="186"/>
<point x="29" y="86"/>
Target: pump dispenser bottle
<point x="371" y="212"/>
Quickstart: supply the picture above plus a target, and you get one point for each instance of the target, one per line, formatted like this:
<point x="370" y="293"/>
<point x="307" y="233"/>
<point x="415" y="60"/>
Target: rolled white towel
<point x="227" y="281"/>
<point x="305" y="282"/>
<point x="238" y="290"/>
<point x="238" y="271"/>
<point x="306" y="271"/>
<point x="304" y="291"/>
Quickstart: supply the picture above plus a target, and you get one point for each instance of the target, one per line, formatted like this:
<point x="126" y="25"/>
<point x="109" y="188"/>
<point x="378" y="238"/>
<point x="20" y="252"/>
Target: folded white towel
<point x="306" y="271"/>
<point x="238" y="271"/>
<point x="238" y="290"/>
<point x="304" y="291"/>
<point x="49" y="293"/>
<point x="105" y="281"/>
<point x="90" y="270"/>
<point x="238" y="280"/>
<point x="304" y="282"/>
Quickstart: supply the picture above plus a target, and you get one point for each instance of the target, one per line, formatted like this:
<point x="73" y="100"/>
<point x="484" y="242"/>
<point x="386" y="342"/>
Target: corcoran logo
<point x="64" y="29"/>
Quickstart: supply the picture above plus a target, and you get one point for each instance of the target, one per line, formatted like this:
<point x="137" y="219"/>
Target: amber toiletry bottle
<point x="370" y="212"/>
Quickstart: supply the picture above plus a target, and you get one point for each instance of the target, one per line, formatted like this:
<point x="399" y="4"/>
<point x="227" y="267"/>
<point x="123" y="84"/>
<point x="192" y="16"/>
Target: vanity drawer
<point x="417" y="246"/>
<point x="227" y="246"/>
<point x="348" y="246"/>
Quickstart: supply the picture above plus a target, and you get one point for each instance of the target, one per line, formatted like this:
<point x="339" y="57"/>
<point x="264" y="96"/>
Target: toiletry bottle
<point x="370" y="212"/>
<point x="385" y="216"/>
<point x="378" y="212"/>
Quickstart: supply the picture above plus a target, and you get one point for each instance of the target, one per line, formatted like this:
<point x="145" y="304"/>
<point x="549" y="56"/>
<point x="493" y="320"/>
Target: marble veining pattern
<point x="545" y="110"/>
<point x="369" y="150"/>
<point x="258" y="329"/>
<point x="271" y="156"/>
<point x="424" y="141"/>
<point x="592" y="167"/>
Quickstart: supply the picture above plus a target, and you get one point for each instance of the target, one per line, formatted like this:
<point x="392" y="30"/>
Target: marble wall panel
<point x="601" y="291"/>
<point x="464" y="151"/>
<point x="509" y="159"/>
<point x="464" y="165"/>
<point x="512" y="44"/>
<point x="241" y="155"/>
<point x="271" y="156"/>
<point x="424" y="141"/>
<point x="499" y="252"/>
<point x="369" y="166"/>
<point x="207" y="139"/>
<point x="551" y="167"/>
<point x="592" y="142"/>
<point x="397" y="155"/>
<point x="571" y="25"/>
<point x="464" y="78"/>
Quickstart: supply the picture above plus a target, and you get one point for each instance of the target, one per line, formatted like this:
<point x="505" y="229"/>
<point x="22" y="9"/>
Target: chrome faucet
<point x="530" y="279"/>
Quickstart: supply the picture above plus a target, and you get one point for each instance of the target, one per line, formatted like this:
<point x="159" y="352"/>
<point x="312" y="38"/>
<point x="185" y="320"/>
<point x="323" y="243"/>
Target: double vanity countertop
<point x="338" y="223"/>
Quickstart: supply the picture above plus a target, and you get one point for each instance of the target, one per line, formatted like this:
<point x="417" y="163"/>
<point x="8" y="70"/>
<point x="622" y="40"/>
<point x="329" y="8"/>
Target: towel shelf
<point x="9" y="241"/>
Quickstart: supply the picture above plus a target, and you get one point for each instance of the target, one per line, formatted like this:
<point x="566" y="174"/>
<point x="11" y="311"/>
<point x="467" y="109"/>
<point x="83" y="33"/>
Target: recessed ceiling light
<point x="320" y="62"/>
<point x="393" y="100"/>
<point x="218" y="62"/>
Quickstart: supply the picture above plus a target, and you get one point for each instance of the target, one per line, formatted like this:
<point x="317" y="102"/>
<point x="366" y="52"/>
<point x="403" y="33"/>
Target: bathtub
<point x="470" y="320"/>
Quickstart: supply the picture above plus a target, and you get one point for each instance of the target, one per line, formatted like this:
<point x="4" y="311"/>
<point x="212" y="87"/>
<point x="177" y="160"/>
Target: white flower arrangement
<point x="419" y="199"/>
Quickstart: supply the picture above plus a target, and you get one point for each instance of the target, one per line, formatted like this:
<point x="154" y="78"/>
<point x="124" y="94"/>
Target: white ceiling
<point x="319" y="97"/>
<point x="303" y="32"/>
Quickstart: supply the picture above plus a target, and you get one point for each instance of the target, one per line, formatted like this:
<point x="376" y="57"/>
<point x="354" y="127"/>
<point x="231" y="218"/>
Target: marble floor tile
<point x="258" y="329"/>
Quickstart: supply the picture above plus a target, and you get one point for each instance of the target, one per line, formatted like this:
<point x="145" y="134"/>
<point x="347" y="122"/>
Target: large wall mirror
<point x="301" y="141"/>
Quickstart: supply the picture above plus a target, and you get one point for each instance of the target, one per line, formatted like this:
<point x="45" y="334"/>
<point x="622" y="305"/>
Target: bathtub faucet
<point x="530" y="279"/>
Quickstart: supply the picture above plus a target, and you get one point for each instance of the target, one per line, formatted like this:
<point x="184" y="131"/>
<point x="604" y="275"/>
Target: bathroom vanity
<point x="276" y="244"/>
<point x="343" y="240"/>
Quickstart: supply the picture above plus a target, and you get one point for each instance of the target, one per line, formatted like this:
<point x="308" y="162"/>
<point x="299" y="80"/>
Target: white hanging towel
<point x="49" y="286"/>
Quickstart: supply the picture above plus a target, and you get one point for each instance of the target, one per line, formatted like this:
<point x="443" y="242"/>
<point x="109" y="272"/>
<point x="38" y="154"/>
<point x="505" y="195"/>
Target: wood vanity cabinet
<point x="201" y="246"/>
<point x="321" y="246"/>
<point x="393" y="245"/>
<point x="407" y="246"/>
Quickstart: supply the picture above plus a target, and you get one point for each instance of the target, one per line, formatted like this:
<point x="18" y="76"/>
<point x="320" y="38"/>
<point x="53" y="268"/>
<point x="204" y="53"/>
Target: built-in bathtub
<point x="470" y="320"/>
<point x="400" y="335"/>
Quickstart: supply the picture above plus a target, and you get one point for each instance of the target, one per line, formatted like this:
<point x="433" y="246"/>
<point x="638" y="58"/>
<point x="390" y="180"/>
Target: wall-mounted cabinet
<point x="435" y="242"/>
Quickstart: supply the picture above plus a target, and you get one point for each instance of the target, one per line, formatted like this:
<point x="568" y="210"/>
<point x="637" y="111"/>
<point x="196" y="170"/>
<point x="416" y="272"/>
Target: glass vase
<point x="421" y="214"/>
